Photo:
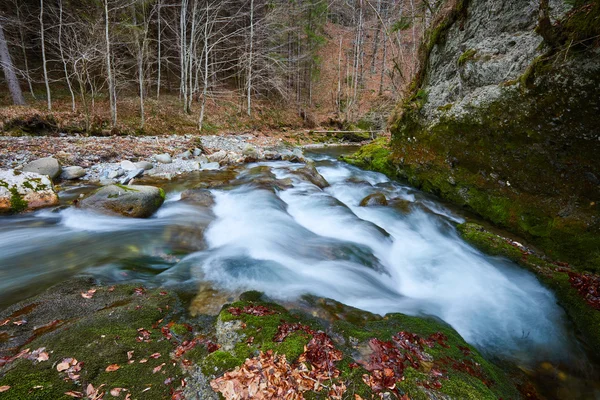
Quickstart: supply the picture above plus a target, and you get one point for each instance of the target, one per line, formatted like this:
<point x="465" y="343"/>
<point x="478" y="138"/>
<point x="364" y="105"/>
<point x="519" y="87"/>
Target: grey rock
<point x="132" y="201"/>
<point x="115" y="173"/>
<point x="44" y="166"/>
<point x="374" y="199"/>
<point x="228" y="334"/>
<point x="218" y="156"/>
<point x="131" y="175"/>
<point x="196" y="152"/>
<point x="209" y="166"/>
<point x="70" y="173"/>
<point x="127" y="165"/>
<point x="34" y="191"/>
<point x="145" y="165"/>
<point x="163" y="158"/>
<point x="185" y="155"/>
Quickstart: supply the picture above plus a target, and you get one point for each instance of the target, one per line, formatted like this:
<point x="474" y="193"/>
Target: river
<point x="300" y="239"/>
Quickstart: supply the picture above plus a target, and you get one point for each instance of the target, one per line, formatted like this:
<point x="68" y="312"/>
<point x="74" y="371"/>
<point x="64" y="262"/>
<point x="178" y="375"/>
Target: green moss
<point x="17" y="203"/>
<point x="99" y="340"/>
<point x="466" y="56"/>
<point x="374" y="156"/>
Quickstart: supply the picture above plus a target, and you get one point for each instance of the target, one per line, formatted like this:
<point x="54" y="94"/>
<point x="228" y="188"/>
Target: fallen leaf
<point x="145" y="390"/>
<point x="111" y="289"/>
<point x="71" y="393"/>
<point x="155" y="355"/>
<point x="157" y="369"/>
<point x="130" y="355"/>
<point x="116" y="392"/>
<point x="19" y="323"/>
<point x="63" y="366"/>
<point x="112" y="367"/>
<point x="89" y="294"/>
<point x="143" y="360"/>
<point x="90" y="391"/>
<point x="4" y="388"/>
<point x="6" y="321"/>
<point x="128" y="396"/>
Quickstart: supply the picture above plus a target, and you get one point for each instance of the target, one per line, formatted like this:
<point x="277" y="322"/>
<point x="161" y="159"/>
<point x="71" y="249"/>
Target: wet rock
<point x="44" y="166"/>
<point x="200" y="197"/>
<point x="294" y="155"/>
<point x="374" y="199"/>
<point x="130" y="201"/>
<point x="163" y="158"/>
<point x="70" y="173"/>
<point x="401" y="205"/>
<point x="23" y="191"/>
<point x="145" y="165"/>
<point x="131" y="175"/>
<point x="128" y="165"/>
<point x="311" y="174"/>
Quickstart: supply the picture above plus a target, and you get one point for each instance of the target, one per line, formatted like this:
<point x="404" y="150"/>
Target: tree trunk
<point x="22" y="37"/>
<point x="46" y="81"/>
<point x="112" y="93"/>
<point x="158" y="56"/>
<point x="249" y="77"/>
<point x="62" y="54"/>
<point x="9" y="71"/>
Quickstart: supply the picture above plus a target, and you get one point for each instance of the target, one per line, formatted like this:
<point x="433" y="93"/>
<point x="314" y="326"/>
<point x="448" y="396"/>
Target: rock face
<point x="130" y="201"/>
<point x="505" y="120"/>
<point x="44" y="166"/>
<point x="25" y="191"/>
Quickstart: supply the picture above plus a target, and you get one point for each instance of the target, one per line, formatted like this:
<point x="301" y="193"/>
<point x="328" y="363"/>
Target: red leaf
<point x="89" y="294"/>
<point x="112" y="367"/>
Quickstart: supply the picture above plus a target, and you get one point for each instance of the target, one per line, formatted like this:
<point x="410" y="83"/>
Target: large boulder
<point x="44" y="166"/>
<point x="130" y="201"/>
<point x="23" y="191"/>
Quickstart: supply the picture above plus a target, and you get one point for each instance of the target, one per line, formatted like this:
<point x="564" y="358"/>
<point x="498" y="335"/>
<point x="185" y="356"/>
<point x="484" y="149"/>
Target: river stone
<point x="44" y="166"/>
<point x="24" y="191"/>
<point x="310" y="173"/>
<point x="70" y="173"/>
<point x="145" y="165"/>
<point x="163" y="158"/>
<point x="196" y="152"/>
<point x="200" y="197"/>
<point x="115" y="173"/>
<point x="127" y="165"/>
<point x="374" y="199"/>
<point x="185" y="155"/>
<point x="218" y="156"/>
<point x="211" y="166"/>
<point x="131" y="175"/>
<point x="130" y="201"/>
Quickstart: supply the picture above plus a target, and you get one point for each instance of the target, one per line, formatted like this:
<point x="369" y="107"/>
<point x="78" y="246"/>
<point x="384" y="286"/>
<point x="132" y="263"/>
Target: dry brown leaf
<point x="116" y="392"/>
<point x="19" y="323"/>
<point x="157" y="369"/>
<point x="77" y="395"/>
<point x="89" y="294"/>
<point x="4" y="388"/>
<point x="63" y="366"/>
<point x="155" y="355"/>
<point x="130" y="355"/>
<point x="112" y="367"/>
<point x="4" y="322"/>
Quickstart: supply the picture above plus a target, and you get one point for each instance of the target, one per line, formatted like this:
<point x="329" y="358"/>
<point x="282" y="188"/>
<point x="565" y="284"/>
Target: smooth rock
<point x="374" y="199"/>
<point x="209" y="166"/>
<point x="185" y="155"/>
<point x="115" y="173"/>
<point x="70" y="173"/>
<point x="44" y="166"/>
<point x="163" y="158"/>
<point x="131" y="175"/>
<point x="196" y="152"/>
<point x="310" y="173"/>
<point x="145" y="165"/>
<point x="218" y="156"/>
<point x="127" y="165"/>
<point x="131" y="201"/>
<point x="24" y="191"/>
<point x="200" y="197"/>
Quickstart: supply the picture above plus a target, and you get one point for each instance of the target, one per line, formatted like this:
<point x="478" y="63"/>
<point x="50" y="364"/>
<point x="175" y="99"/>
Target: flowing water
<point x="300" y="239"/>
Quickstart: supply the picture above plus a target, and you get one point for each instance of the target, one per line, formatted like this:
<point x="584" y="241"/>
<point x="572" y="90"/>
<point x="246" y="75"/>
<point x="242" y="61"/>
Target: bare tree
<point x="44" y="63"/>
<point x="9" y="71"/>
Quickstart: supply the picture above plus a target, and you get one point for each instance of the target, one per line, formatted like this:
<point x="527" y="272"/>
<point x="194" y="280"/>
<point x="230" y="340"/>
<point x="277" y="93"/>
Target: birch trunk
<point x="44" y="66"/>
<point x="112" y="93"/>
<point x="9" y="71"/>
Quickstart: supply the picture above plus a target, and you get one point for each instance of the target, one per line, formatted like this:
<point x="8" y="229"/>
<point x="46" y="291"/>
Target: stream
<point x="300" y="239"/>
